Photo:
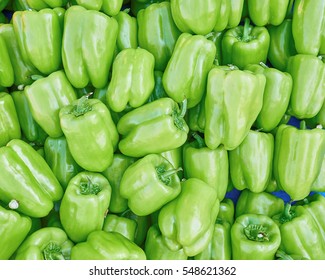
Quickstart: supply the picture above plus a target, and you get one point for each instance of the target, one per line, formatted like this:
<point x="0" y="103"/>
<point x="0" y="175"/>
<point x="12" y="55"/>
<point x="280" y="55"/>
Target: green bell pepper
<point x="132" y="79"/>
<point x="48" y="243"/>
<point x="219" y="247"/>
<point x="250" y="164"/>
<point x="13" y="230"/>
<point x="156" y="249"/>
<point x="319" y="183"/>
<point x="43" y="52"/>
<point x="60" y="160"/>
<point x="6" y="71"/>
<point x="233" y="101"/>
<point x="175" y="157"/>
<point x="9" y="123"/>
<point x="300" y="233"/>
<point x="111" y="7"/>
<point x="254" y="237"/>
<point x="114" y="173"/>
<point x="245" y="44"/>
<point x="208" y="165"/>
<point x="157" y="32"/>
<point x="282" y="45"/>
<point x="27" y="183"/>
<point x="122" y="225"/>
<point x="102" y="245"/>
<point x="190" y="228"/>
<point x="229" y="14"/>
<point x="195" y="16"/>
<point x="258" y="203"/>
<point x="127" y="36"/>
<point x="271" y="12"/>
<point x="196" y="116"/>
<point x="148" y="193"/>
<point x="298" y="157"/>
<point x="3" y="4"/>
<point x="308" y="90"/>
<point x="308" y="26"/>
<point x="153" y="128"/>
<point x="137" y="5"/>
<point x="83" y="61"/>
<point x="319" y="119"/>
<point x="276" y="96"/>
<point x="187" y="70"/>
<point x="158" y="91"/>
<point x="87" y="195"/>
<point x="93" y="153"/>
<point x="43" y="4"/>
<point x="46" y="96"/>
<point x="31" y="131"/>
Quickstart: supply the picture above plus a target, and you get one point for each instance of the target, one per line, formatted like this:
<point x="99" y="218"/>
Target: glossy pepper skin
<point x="245" y="44"/>
<point x="6" y="71"/>
<point x="60" y="160"/>
<point x="195" y="16"/>
<point x="125" y="226"/>
<point x="229" y="14"/>
<point x="149" y="183"/>
<point x="308" y="91"/>
<point x="281" y="44"/>
<point x="258" y="203"/>
<point x="43" y="4"/>
<point x="14" y="229"/>
<point x="114" y="173"/>
<point x="102" y="245"/>
<point x="83" y="62"/>
<point x="209" y="165"/>
<point x="132" y="79"/>
<point x="300" y="233"/>
<point x="187" y="70"/>
<point x="190" y="228"/>
<point x="31" y="131"/>
<point x="319" y="183"/>
<point x="254" y="236"/>
<point x="153" y="128"/>
<point x="250" y="164"/>
<point x="219" y="247"/>
<point x="308" y="26"/>
<point x="93" y="153"/>
<point x="43" y="52"/>
<point x="276" y="97"/>
<point x="46" y="96"/>
<point x="156" y="249"/>
<point x="298" y="157"/>
<point x="88" y="195"/>
<point x="233" y="101"/>
<point x="137" y="5"/>
<point x="271" y="12"/>
<point x="157" y="32"/>
<point x="50" y="243"/>
<point x="35" y="186"/>
<point x="9" y="122"/>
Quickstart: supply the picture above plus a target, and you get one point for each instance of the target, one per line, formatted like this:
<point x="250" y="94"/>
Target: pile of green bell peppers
<point x="162" y="130"/>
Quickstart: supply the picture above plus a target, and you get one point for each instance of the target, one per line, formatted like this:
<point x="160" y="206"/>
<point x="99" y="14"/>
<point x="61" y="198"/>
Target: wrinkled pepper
<point x="87" y="195"/>
<point x="209" y="165"/>
<point x="13" y="230"/>
<point x="187" y="70"/>
<point x="149" y="183"/>
<point x="254" y="237"/>
<point x="50" y="243"/>
<point x="93" y="153"/>
<point x="250" y="164"/>
<point x="162" y="119"/>
<point x="298" y="157"/>
<point x="83" y="61"/>
<point x="9" y="122"/>
<point x="102" y="245"/>
<point x="132" y="79"/>
<point x="190" y="228"/>
<point x="233" y="101"/>
<point x="27" y="183"/>
<point x="157" y="32"/>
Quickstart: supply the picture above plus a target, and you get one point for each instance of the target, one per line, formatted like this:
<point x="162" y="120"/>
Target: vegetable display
<point x="162" y="130"/>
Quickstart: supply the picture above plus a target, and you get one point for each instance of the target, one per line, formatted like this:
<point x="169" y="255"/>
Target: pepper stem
<point x="256" y="233"/>
<point x="199" y="140"/>
<point x="87" y="188"/>
<point x="287" y="215"/>
<point x="303" y="125"/>
<point x="52" y="251"/>
<point x="246" y="31"/>
<point x="282" y="255"/>
<point x="164" y="176"/>
<point x="183" y="108"/>
<point x="36" y="77"/>
<point x="82" y="106"/>
<point x="263" y="64"/>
